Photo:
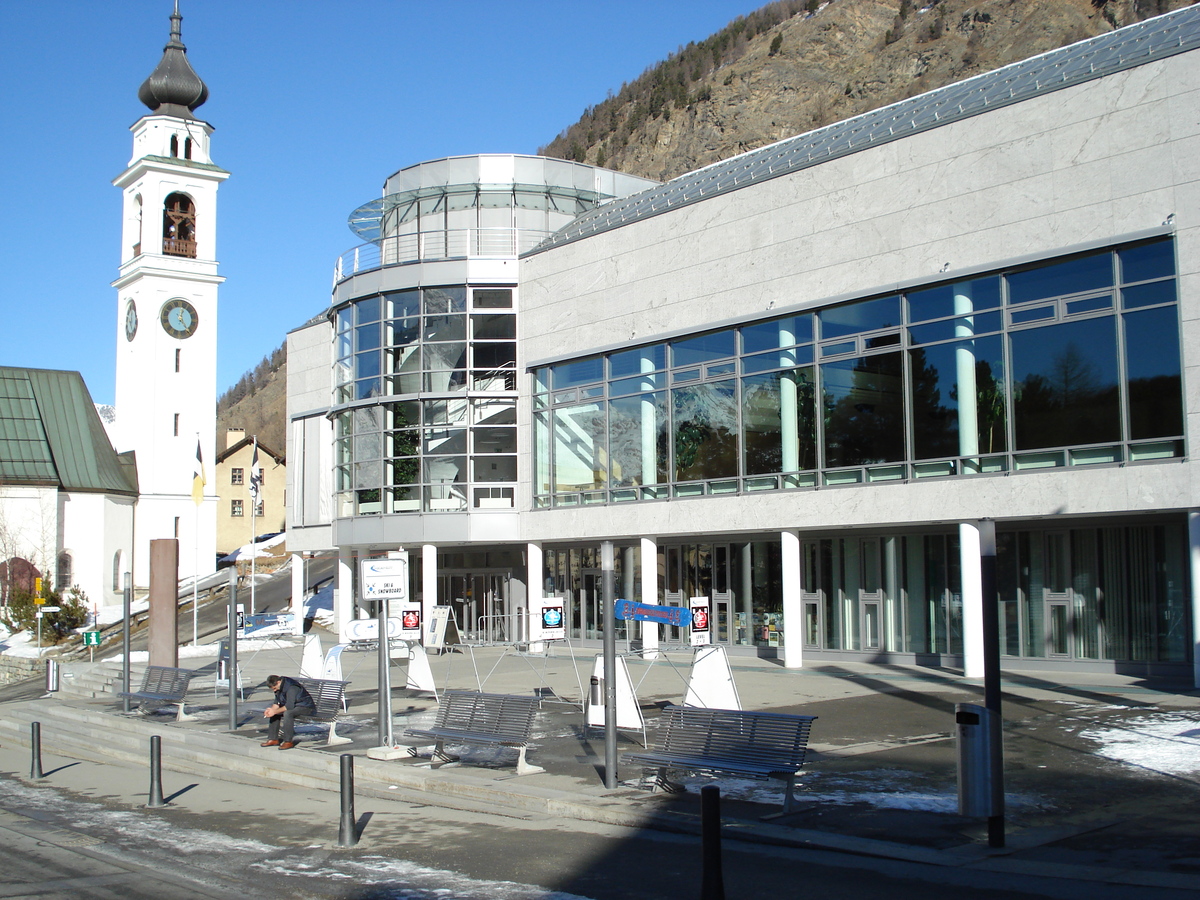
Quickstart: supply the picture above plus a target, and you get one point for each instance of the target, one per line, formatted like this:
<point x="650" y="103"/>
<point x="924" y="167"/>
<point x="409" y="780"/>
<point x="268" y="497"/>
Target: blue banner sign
<point x="679" y="616"/>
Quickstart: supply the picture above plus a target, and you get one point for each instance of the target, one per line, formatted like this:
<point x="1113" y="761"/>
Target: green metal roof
<point x="50" y="433"/>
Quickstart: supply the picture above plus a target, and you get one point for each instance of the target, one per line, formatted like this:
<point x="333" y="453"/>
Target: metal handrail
<point x="451" y="243"/>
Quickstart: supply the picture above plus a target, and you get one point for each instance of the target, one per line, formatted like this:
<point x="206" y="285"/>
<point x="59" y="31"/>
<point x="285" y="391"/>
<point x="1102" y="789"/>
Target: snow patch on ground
<point x="1163" y="743"/>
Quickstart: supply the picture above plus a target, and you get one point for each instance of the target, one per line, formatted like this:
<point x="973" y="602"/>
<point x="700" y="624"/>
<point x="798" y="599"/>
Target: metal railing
<point x="455" y="243"/>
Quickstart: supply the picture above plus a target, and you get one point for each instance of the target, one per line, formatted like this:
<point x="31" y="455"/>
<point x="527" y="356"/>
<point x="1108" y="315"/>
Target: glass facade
<point x="1069" y="362"/>
<point x="425" y="401"/>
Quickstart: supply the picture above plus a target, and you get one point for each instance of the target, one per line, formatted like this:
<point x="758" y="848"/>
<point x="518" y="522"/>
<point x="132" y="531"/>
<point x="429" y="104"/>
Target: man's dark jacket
<point x="291" y="694"/>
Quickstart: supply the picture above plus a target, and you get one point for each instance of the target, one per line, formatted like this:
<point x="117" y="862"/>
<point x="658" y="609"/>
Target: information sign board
<point x="384" y="579"/>
<point x="553" y="621"/>
<point x="701" y="633"/>
<point x="91" y="639"/>
<point x="648" y="612"/>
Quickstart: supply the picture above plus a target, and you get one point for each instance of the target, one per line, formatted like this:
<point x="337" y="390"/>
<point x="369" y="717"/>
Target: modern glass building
<point x="806" y="383"/>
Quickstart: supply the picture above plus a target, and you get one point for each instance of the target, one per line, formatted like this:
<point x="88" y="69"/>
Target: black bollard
<point x="156" y="797"/>
<point x="712" y="887"/>
<point x="347" y="829"/>
<point x="35" y="744"/>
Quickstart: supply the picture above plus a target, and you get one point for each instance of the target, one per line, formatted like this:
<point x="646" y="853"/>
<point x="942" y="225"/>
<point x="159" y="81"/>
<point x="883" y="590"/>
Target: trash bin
<point x="980" y="785"/>
<point x="597" y="691"/>
<point x="51" y="675"/>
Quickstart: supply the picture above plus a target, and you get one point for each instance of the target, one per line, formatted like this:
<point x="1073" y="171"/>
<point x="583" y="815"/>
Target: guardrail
<point x="454" y="243"/>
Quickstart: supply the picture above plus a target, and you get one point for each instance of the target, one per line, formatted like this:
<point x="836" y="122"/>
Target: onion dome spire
<point x="173" y="88"/>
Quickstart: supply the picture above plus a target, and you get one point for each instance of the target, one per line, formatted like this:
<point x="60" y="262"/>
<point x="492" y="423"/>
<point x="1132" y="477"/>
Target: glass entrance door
<point x="1057" y="595"/>
<point x="479" y="603"/>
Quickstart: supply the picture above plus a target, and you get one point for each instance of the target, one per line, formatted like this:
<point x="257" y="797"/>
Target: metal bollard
<point x="52" y="675"/>
<point x="712" y="885"/>
<point x="35" y="744"/>
<point x="597" y="692"/>
<point x="156" y="797"/>
<point x="348" y="828"/>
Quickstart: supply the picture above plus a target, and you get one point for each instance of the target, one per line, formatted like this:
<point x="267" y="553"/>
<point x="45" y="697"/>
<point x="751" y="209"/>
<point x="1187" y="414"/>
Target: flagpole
<point x="254" y="491"/>
<point x="198" y="482"/>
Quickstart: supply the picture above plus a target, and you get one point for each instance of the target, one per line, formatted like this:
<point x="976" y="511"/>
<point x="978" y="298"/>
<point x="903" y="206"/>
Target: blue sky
<point x="314" y="104"/>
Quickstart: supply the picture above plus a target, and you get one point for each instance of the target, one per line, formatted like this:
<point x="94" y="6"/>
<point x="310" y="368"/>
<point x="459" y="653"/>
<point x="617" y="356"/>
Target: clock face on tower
<point x="179" y="318"/>
<point x="130" y="320"/>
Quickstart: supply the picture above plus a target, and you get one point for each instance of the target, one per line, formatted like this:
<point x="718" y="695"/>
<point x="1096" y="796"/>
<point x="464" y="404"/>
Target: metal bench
<point x="472" y="717"/>
<point x="165" y="685"/>
<point x="330" y="699"/>
<point x="757" y="745"/>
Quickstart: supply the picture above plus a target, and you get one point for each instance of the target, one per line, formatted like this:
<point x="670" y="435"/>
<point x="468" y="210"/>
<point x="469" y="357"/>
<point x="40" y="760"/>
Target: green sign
<point x="91" y="639"/>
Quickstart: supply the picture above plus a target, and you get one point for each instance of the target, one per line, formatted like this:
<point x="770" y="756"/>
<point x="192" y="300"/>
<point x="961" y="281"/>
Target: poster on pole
<point x="383" y="579"/>
<point x="552" y="621"/>
<point x="701" y="627"/>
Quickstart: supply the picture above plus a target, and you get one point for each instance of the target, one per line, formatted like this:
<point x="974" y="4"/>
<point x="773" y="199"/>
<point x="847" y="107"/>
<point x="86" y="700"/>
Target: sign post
<point x="91" y="640"/>
<point x="382" y="581"/>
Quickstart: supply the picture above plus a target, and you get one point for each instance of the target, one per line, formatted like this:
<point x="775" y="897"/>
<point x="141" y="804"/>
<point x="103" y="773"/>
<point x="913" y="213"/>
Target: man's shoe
<point x="269" y="744"/>
<point x="287" y="745"/>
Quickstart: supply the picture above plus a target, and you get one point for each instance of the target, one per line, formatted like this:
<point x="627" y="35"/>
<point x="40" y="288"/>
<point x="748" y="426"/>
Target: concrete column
<point x="299" y="593"/>
<point x="793" y="603"/>
<point x="972" y="599"/>
<point x="649" y="551"/>
<point x="964" y="358"/>
<point x="429" y="580"/>
<point x="649" y="430"/>
<point x="1194" y="565"/>
<point x="535" y="568"/>
<point x="746" y="591"/>
<point x="343" y="593"/>
<point x="163" y="642"/>
<point x="788" y="428"/>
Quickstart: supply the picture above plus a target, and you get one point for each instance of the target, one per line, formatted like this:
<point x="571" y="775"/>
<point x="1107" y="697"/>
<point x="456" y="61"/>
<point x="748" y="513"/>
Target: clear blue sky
<point x="314" y="103"/>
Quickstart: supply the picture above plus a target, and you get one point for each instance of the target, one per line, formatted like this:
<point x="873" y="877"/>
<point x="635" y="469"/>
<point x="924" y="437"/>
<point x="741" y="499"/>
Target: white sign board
<point x="553" y="619"/>
<point x="435" y="632"/>
<point x="383" y="579"/>
<point x="701" y="631"/>
<point x="368" y="629"/>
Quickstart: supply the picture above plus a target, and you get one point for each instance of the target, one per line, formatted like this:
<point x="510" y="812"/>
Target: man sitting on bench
<point x="291" y="700"/>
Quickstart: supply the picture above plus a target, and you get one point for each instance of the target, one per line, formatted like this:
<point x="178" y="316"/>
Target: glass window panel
<point x="853" y="318"/>
<point x="633" y="385"/>
<point x="584" y="371"/>
<point x="445" y="412"/>
<point x="938" y="302"/>
<point x="367" y="336"/>
<point x="439" y="301"/>
<point x="643" y="359"/>
<point x="367" y="365"/>
<point x="727" y="368"/>
<point x="494" y="440"/>
<point x="637" y="429"/>
<point x="1036" y="314"/>
<point x="451" y="381"/>
<point x="882" y="340"/>
<point x="495" y="468"/>
<point x="686" y="375"/>
<point x="839" y="348"/>
<point x="949" y="328"/>
<point x="1087" y="273"/>
<point x="864" y="402"/>
<point x="344" y="345"/>
<point x="447" y="327"/>
<point x="702" y="349"/>
<point x="943" y="377"/>
<point x="1155" y="380"/>
<point x="1155" y="260"/>
<point x="402" y="304"/>
<point x="367" y="310"/>
<point x="494" y="412"/>
<point x="1065" y="384"/>
<point x="404" y="443"/>
<point x="579" y="448"/>
<point x="497" y="326"/>
<point x="345" y="319"/>
<point x="777" y="333"/>
<point x="442" y="441"/>
<point x="403" y="331"/>
<point x="1148" y="294"/>
<point x="500" y="355"/>
<point x="403" y="415"/>
<point x="446" y="356"/>
<point x="1089" y="304"/>
<point x="492" y="298"/>
<point x="768" y="401"/>
<point x="705" y="418"/>
<point x="367" y="446"/>
<point x="541" y="380"/>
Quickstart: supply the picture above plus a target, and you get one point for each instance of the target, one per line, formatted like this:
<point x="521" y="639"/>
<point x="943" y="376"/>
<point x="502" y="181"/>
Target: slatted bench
<point x="164" y="685"/>
<point x="472" y="717"/>
<point x="330" y="699"/>
<point x="757" y="745"/>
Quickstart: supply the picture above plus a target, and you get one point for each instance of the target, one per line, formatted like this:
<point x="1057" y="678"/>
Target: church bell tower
<point x="166" y="393"/>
